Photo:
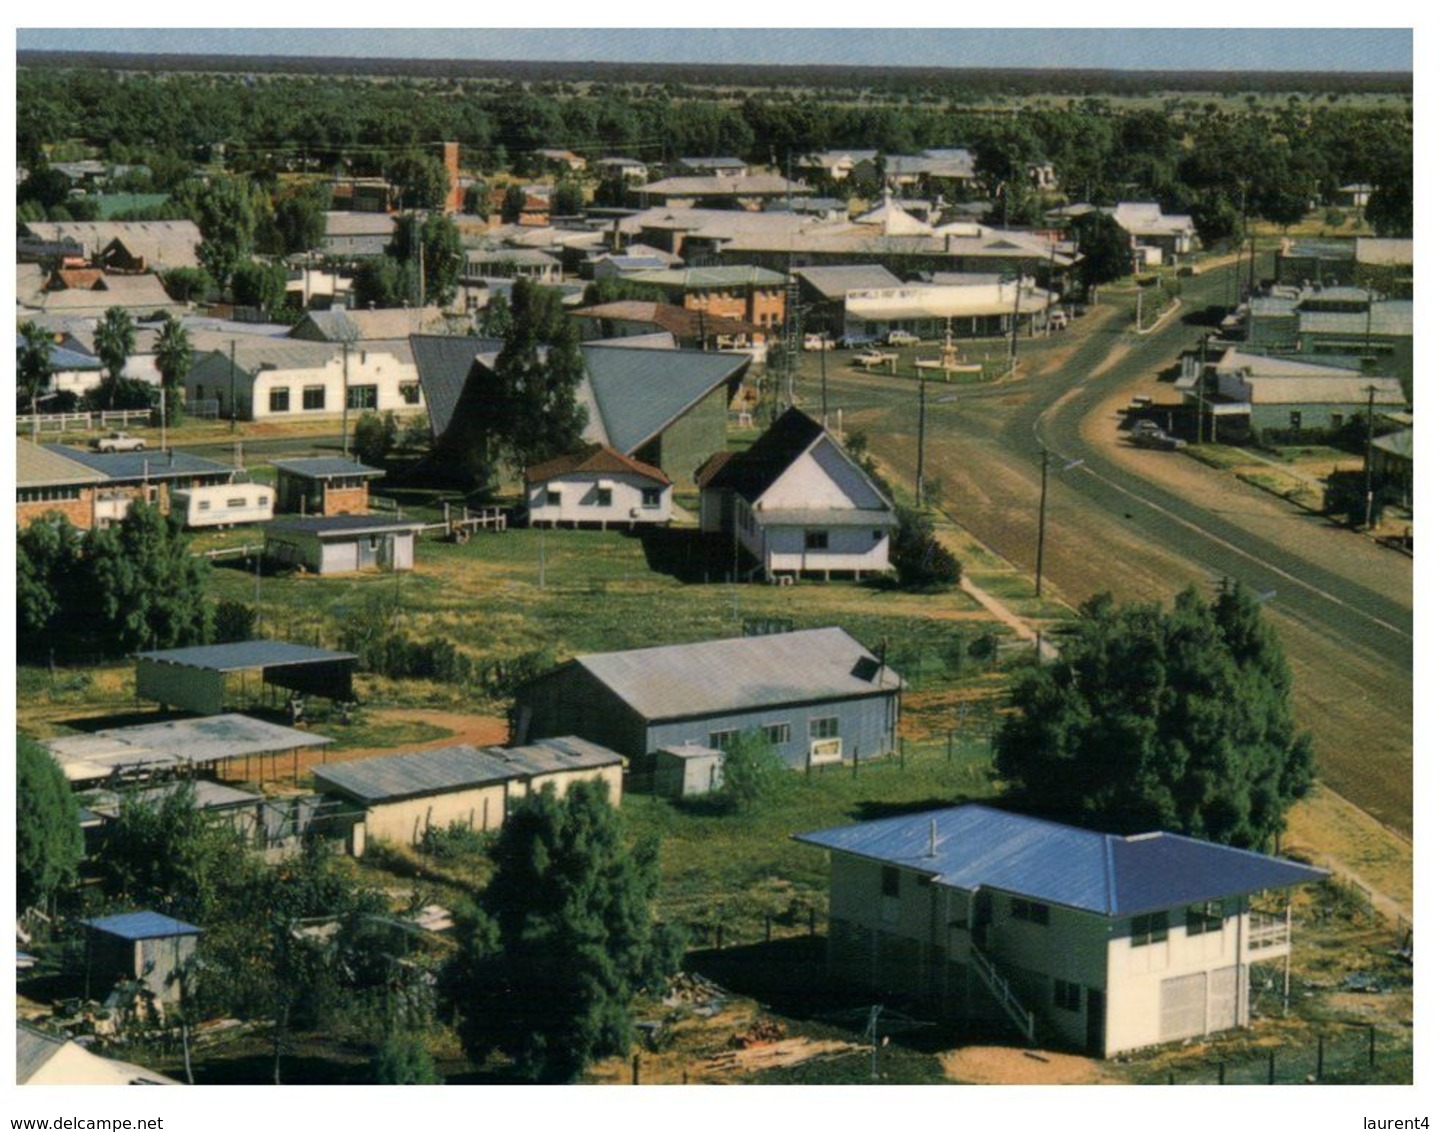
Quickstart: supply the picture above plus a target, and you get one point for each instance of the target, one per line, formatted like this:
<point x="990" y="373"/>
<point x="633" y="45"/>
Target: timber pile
<point x="765" y="1031"/>
<point x="781" y="1054"/>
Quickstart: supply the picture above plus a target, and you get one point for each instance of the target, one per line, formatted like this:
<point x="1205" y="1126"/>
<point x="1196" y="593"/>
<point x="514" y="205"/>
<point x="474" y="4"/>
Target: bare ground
<point x="1006" y="1065"/>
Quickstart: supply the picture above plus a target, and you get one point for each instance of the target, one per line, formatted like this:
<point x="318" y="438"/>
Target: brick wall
<point x="347" y="500"/>
<point x="80" y="511"/>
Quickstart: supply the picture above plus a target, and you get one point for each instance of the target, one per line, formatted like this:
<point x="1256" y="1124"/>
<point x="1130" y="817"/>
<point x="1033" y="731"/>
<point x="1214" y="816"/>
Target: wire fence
<point x="1350" y="1054"/>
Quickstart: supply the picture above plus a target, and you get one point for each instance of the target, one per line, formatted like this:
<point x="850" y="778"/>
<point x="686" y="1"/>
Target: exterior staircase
<point x="996" y="983"/>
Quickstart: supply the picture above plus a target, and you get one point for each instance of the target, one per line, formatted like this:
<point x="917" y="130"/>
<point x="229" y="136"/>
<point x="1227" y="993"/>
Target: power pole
<point x="1016" y="315"/>
<point x="344" y="398"/>
<point x="1370" y="419"/>
<point x="232" y="385"/>
<point x="825" y="405"/>
<point x="921" y="447"/>
<point x="1041" y="526"/>
<point x="1201" y="390"/>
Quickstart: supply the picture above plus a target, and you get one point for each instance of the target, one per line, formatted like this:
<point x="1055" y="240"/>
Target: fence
<point x="63" y="422"/>
<point x="1351" y="1054"/>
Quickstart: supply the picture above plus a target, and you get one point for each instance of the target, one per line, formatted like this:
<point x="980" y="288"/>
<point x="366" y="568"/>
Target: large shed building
<point x="405" y="795"/>
<point x="818" y="695"/>
<point x="195" y="678"/>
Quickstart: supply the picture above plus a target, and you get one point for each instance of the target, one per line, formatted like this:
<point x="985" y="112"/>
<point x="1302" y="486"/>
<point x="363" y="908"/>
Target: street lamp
<point x="1041" y="528"/>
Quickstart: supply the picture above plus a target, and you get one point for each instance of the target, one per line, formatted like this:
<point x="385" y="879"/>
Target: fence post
<point x="1371" y="1051"/>
<point x="903" y="753"/>
<point x="1170" y="1076"/>
<point x="1220" y="1073"/>
<point x="720" y="936"/>
<point x="768" y="927"/>
<point x="855" y="762"/>
<point x="1320" y="1056"/>
<point x="950" y="742"/>
<point x="1271" y="1067"/>
<point x="635" y="1069"/>
<point x="813" y="921"/>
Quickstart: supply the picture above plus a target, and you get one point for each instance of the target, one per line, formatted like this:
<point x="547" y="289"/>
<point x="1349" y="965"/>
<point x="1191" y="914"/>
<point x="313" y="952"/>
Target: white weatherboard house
<point x="597" y="485"/>
<point x="1093" y="940"/>
<point x="798" y="503"/>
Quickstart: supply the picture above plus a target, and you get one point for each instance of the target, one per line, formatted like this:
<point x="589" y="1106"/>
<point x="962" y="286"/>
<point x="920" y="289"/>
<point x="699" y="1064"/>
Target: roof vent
<point x="1145" y="836"/>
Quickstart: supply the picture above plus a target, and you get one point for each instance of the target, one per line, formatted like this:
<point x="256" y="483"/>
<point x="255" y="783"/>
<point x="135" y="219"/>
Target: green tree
<point x="568" y="198"/>
<point x="33" y="367"/>
<point x="383" y="282"/>
<point x="422" y="180"/>
<point x="404" y="1060"/>
<point x="437" y="240"/>
<point x="300" y="220"/>
<point x="114" y="343"/>
<point x="921" y="562"/>
<point x="375" y="435"/>
<point x="186" y="284"/>
<point x="234" y="621"/>
<point x="47" y="580"/>
<point x="261" y="284"/>
<point x="512" y="205"/>
<point x="1177" y="720"/>
<point x="227" y="211"/>
<point x="48" y="841"/>
<point x="751" y="772"/>
<point x="1106" y="247"/>
<point x="149" y="588"/>
<point x="477" y="200"/>
<point x="173" y="358"/>
<point x="564" y="940"/>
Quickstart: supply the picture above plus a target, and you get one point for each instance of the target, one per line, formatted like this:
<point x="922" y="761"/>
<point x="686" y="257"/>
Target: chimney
<point x="932" y="852"/>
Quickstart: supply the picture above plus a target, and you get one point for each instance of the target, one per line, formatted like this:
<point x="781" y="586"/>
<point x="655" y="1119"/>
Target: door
<point x="1095" y="1022"/>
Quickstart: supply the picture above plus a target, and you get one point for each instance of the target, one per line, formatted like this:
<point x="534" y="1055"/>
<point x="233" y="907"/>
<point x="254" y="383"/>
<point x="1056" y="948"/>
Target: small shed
<point x="341" y="544"/>
<point x="193" y="679"/>
<point x="687" y="769"/>
<point x="405" y="795"/>
<point x="144" y="946"/>
<point x="324" y="485"/>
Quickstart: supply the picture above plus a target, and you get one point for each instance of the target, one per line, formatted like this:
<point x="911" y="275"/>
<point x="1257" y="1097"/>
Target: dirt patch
<point x="1004" y="1065"/>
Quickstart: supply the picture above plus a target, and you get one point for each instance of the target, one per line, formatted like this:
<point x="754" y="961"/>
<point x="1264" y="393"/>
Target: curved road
<point x="1144" y="524"/>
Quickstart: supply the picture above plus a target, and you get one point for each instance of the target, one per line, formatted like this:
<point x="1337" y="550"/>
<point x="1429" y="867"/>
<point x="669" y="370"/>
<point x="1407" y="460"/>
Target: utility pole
<point x="1041" y="524"/>
<point x="825" y="405"/>
<point x="1370" y="420"/>
<point x="1016" y="315"/>
<point x="232" y="385"/>
<point x="921" y="447"/>
<point x="1201" y="390"/>
<point x="344" y="398"/>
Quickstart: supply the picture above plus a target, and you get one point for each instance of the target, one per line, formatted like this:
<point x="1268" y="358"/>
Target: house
<point x="405" y="796"/>
<point x="48" y="481"/>
<point x="818" y="695"/>
<point x="501" y="262"/>
<point x="324" y="485"/>
<point x="597" y="485"/>
<point x="1156" y="237"/>
<point x="712" y="166"/>
<point x="338" y="544"/>
<point x="627" y="318"/>
<point x="1357" y="194"/>
<point x="125" y="245"/>
<point x="89" y="293"/>
<point x="1384" y="264"/>
<point x="751" y="294"/>
<point x="1391" y="462"/>
<point x="748" y="191"/>
<point x="798" y="504"/>
<point x="358" y="234"/>
<point x="146" y="476"/>
<point x="628" y="169"/>
<point x="666" y="408"/>
<point x="143" y="946"/>
<point x="562" y="160"/>
<point x="1097" y="941"/>
<point x="49" y="1059"/>
<point x="966" y="305"/>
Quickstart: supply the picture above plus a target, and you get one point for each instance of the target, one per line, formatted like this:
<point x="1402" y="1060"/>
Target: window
<point x="240" y="502"/>
<point x="890" y="880"/>
<point x="1067" y="996"/>
<point x="1031" y="911"/>
<point x="362" y="397"/>
<point x="1146" y="930"/>
<point x="603" y="496"/>
<point x="552" y="497"/>
<point x="650" y="497"/>
<point x="312" y="397"/>
<point x="1208" y="916"/>
<point x="280" y="399"/>
<point x="410" y="392"/>
<point x="723" y="740"/>
<point x="818" y="540"/>
<point x="1338" y="420"/>
<point x="1296" y="419"/>
<point x="203" y="505"/>
<point x="777" y="733"/>
<point x="828" y="727"/>
<point x="877" y="535"/>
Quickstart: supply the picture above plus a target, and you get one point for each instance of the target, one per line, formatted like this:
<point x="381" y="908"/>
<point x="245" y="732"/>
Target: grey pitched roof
<point x="741" y="673"/>
<point x="1104" y="873"/>
<point x="1396" y="443"/>
<point x="33" y="1050"/>
<point x="443" y="363"/>
<point x="239" y="656"/>
<point x="339" y="526"/>
<point x="325" y="467"/>
<point x="122" y="466"/>
<point x="834" y="282"/>
<point x="639" y="392"/>
<point x="44" y="467"/>
<point x="444" y="769"/>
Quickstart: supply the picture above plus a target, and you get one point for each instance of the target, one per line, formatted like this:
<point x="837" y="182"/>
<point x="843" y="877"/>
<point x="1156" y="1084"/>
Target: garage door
<point x="1183" y="1007"/>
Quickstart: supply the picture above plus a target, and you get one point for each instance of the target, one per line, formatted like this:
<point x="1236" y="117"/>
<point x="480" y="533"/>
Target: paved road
<point x="1145" y="524"/>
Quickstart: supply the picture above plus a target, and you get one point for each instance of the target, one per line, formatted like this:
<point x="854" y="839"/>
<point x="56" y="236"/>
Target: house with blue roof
<point x="1092" y="940"/>
<point x="142" y="946"/>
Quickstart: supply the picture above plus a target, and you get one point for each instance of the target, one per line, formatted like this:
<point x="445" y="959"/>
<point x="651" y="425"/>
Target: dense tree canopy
<point x="48" y="841"/>
<point x="1106" y="247"/>
<point x="1150" y="719"/>
<point x="564" y="940"/>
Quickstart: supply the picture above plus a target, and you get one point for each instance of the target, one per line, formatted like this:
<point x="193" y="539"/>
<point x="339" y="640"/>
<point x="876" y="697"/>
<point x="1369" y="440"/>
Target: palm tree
<point x="34" y="368"/>
<point x="173" y="356"/>
<point x="114" y="343"/>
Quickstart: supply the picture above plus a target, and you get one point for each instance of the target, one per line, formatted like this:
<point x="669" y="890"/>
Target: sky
<point x="1310" y="49"/>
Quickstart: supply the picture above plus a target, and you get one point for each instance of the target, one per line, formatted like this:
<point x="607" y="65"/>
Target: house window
<point x="877" y="535"/>
<point x="650" y="497"/>
<point x="1296" y="419"/>
<point x="552" y="497"/>
<point x="723" y="740"/>
<point x="235" y="502"/>
<point x="777" y="733"/>
<point x="1032" y="911"/>
<point x="1146" y="930"/>
<point x="1067" y="996"/>
<point x="603" y="496"/>
<point x="818" y="540"/>
<point x="203" y="505"/>
<point x="312" y="397"/>
<point x="280" y="399"/>
<point x="1206" y="917"/>
<point x="410" y="392"/>
<point x="890" y="880"/>
<point x="827" y="727"/>
<point x="1338" y="420"/>
<point x="361" y="397"/>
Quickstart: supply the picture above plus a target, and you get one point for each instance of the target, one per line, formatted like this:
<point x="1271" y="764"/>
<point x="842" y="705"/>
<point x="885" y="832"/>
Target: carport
<point x="193" y="679"/>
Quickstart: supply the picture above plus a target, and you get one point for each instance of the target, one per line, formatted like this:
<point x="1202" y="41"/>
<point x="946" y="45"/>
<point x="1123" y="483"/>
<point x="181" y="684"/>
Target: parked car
<point x="902" y="338"/>
<point x="818" y="342"/>
<point x="1143" y="424"/>
<point x="869" y="359"/>
<point x="855" y="341"/>
<point x="1155" y="438"/>
<point x="1057" y="320"/>
<point x="118" y="442"/>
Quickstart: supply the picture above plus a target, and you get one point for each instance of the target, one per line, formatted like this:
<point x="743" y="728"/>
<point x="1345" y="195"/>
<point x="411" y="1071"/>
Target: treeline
<point x="944" y="82"/>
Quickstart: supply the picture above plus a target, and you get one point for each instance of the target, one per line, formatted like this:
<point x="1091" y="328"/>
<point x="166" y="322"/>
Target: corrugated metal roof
<point x="36" y="466"/>
<point x="976" y="846"/>
<point x="751" y="473"/>
<point x="326" y="467"/>
<point x="445" y="769"/>
<point x="598" y="458"/>
<point x="141" y="925"/>
<point x="1397" y="443"/>
<point x="241" y="655"/>
<point x="443" y="363"/>
<point x="639" y="392"/>
<point x="834" y="282"/>
<point x="701" y="278"/>
<point x="738" y="674"/>
<point x="157" y="465"/>
<point x="340" y="526"/>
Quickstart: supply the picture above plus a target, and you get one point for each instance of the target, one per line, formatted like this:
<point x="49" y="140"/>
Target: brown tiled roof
<point x="684" y="324"/>
<point x="712" y="467"/>
<point x="598" y="458"/>
<point x="77" y="279"/>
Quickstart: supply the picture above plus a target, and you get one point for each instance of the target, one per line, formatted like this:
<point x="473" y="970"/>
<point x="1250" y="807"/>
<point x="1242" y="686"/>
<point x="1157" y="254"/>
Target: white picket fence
<point x="69" y="422"/>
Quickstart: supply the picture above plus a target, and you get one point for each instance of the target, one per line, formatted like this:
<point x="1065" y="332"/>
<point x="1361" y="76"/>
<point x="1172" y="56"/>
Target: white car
<point x="902" y="338"/>
<point x="118" y="442"/>
<point x="818" y="342"/>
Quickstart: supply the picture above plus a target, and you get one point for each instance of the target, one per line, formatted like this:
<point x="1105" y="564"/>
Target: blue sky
<point x="1313" y="49"/>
